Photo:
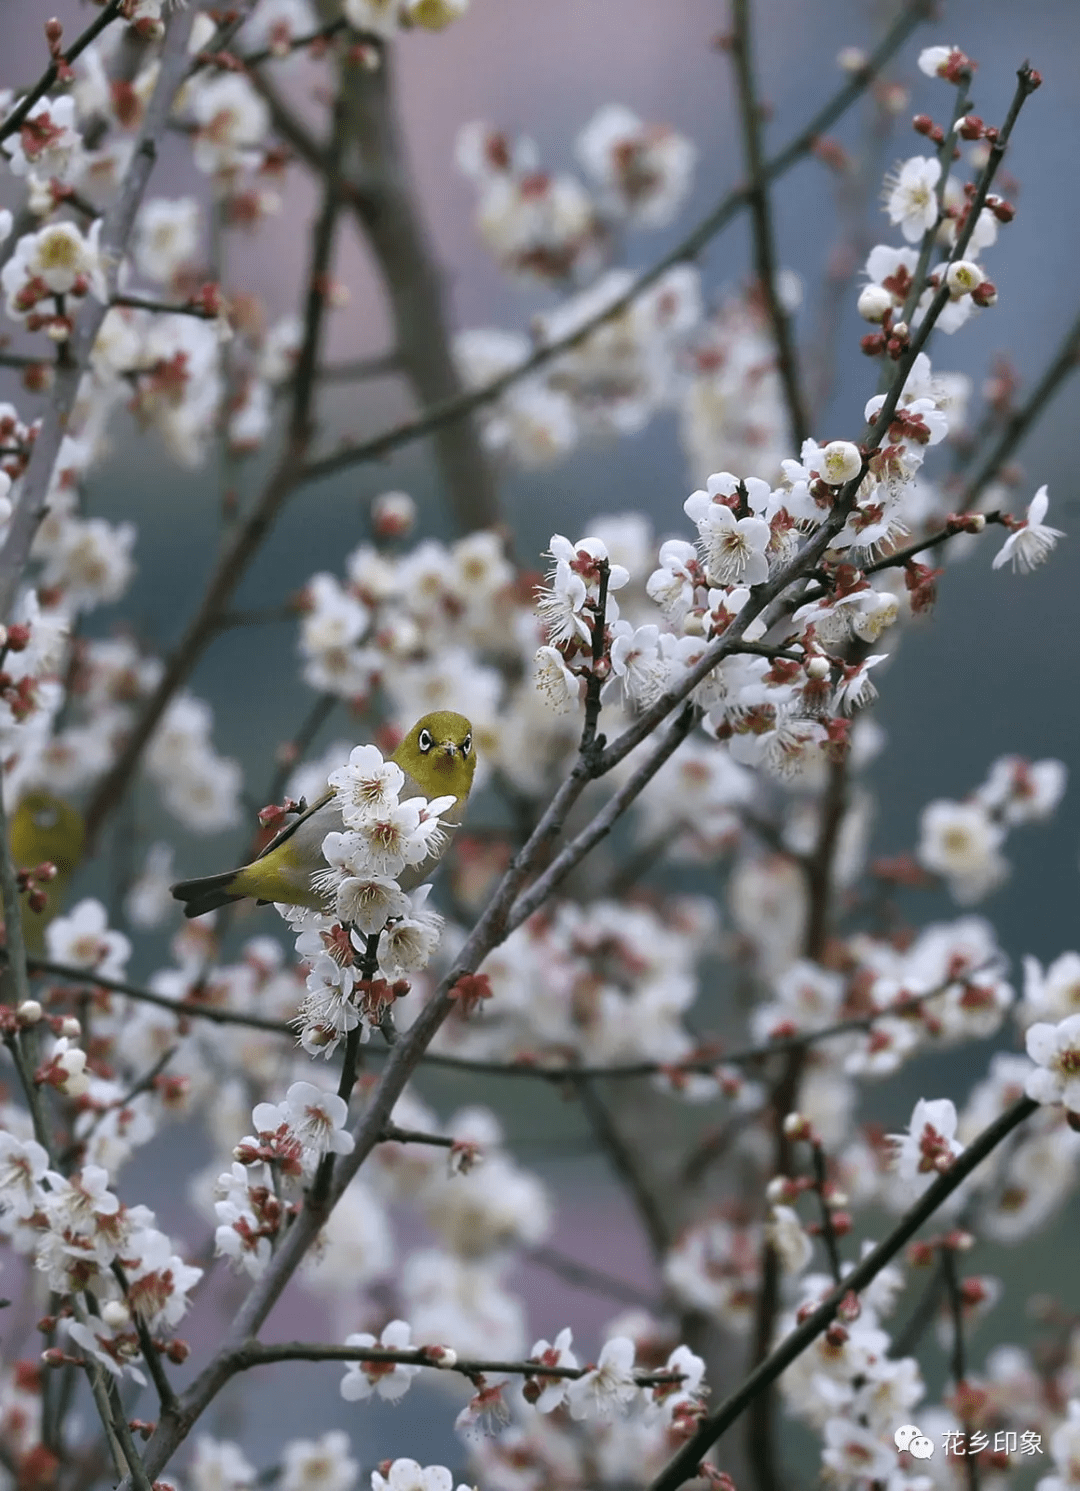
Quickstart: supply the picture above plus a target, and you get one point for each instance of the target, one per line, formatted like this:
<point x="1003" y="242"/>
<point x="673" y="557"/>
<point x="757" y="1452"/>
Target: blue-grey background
<point x="992" y="671"/>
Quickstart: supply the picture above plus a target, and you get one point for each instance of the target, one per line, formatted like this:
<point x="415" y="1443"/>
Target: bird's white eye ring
<point x="466" y="745"/>
<point x="424" y="740"/>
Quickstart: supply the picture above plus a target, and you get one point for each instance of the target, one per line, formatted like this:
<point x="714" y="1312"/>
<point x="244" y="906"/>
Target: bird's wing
<point x="290" y="828"/>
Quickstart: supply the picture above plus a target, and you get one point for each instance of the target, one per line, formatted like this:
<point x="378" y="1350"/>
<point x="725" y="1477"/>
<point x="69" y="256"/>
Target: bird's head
<point x="44" y="827"/>
<point x="439" y="755"/>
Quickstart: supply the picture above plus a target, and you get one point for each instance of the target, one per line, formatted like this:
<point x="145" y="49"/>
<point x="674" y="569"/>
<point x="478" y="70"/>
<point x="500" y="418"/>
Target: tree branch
<point x="22" y="109"/>
<point x="761" y="217"/>
<point x="1060" y="367"/>
<point x="255" y="1354"/>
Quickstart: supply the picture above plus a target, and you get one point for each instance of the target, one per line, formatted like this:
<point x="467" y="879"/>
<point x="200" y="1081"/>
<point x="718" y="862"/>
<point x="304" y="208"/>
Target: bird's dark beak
<point x="449" y="749"/>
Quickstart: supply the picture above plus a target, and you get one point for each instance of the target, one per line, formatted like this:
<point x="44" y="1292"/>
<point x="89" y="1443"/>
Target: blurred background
<point x="992" y="671"/>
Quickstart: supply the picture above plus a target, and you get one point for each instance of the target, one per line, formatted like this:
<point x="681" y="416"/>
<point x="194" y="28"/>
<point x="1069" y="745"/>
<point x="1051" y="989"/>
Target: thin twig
<point x="828" y="1228"/>
<point x="350" y="1066"/>
<point x="163" y="1387"/>
<point x="22" y="109"/>
<point x="957" y="1363"/>
<point x="817" y="868"/>
<point x="392" y="1134"/>
<point x="961" y="106"/>
<point x="741" y="47"/>
<point x="14" y="939"/>
<point x="1061" y="366"/>
<point x="256" y="1354"/>
<point x="525" y="1067"/>
<point x="166" y="307"/>
<point x="182" y="1009"/>
<point x="907" y="1339"/>
<point x="585" y="1276"/>
<point x="294" y="44"/>
<point x="603" y="822"/>
<point x="627" y="1164"/>
<point x="594" y="682"/>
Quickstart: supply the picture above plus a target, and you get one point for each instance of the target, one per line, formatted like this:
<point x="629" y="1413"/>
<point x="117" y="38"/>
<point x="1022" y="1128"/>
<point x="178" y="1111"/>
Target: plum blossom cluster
<point x="961" y="841"/>
<point x="618" y="985"/>
<point x="549" y="226"/>
<point x="632" y="1428"/>
<point x="384" y="839"/>
<point x="74" y="1230"/>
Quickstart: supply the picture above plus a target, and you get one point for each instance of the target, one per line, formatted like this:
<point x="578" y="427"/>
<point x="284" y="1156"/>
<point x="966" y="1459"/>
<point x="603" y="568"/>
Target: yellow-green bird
<point x="438" y="760"/>
<point x="44" y="827"/>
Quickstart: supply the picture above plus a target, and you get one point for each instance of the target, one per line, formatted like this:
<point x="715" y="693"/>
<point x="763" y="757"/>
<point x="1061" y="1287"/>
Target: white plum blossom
<point x="388" y="1380"/>
<point x="1017" y="791"/>
<point x="841" y="461"/>
<point x="1053" y="994"/>
<point x="314" y="1117"/>
<point x="557" y="1353"/>
<point x="410" y="1475"/>
<point x="23" y="1164"/>
<point x="1032" y="543"/>
<point x="83" y="940"/>
<point x="324" y="1463"/>
<point x="561" y="689"/>
<point x="791" y="1243"/>
<point x="367" y="785"/>
<point x="1065" y="1448"/>
<point x="48" y="144"/>
<point x="733" y="549"/>
<point x="166" y="237"/>
<point x="644" y="170"/>
<point x="1056" y="1051"/>
<point x="231" y="121"/>
<point x="853" y="1452"/>
<point x="960" y="841"/>
<point x="935" y="61"/>
<point x="607" y="1388"/>
<point x="220" y="1465"/>
<point x="929" y="1146"/>
<point x="911" y="200"/>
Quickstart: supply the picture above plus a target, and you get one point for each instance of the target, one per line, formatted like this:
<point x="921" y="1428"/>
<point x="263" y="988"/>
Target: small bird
<point x="438" y="760"/>
<point x="44" y="827"/>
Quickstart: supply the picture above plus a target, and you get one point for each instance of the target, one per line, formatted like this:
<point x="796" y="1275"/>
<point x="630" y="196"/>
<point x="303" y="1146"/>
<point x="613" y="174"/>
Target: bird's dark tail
<point x="206" y="893"/>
